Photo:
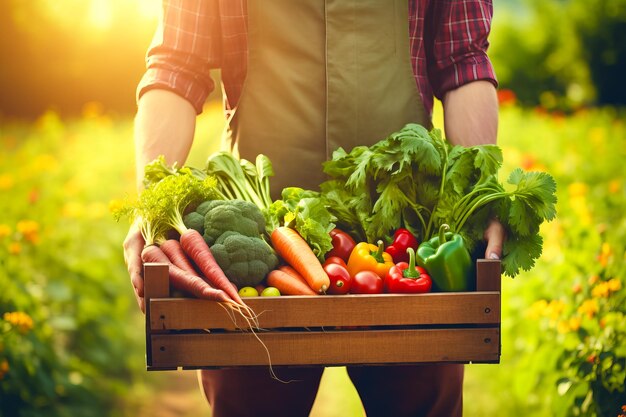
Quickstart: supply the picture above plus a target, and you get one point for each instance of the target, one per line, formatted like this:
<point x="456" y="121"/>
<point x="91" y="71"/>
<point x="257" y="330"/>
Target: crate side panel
<point x="327" y="348"/>
<point x="348" y="310"/>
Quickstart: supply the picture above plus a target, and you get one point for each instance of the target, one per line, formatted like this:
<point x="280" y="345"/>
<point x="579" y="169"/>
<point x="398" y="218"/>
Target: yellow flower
<point x="4" y="368"/>
<point x="563" y="327"/>
<point x="578" y="189"/>
<point x="5" y="230"/>
<point x="614" y="284"/>
<point x="20" y="320"/>
<point x="537" y="309"/>
<point x="574" y="323"/>
<point x="554" y="309"/>
<point x="15" y="248"/>
<point x="589" y="307"/>
<point x="601" y="290"/>
<point x="6" y="181"/>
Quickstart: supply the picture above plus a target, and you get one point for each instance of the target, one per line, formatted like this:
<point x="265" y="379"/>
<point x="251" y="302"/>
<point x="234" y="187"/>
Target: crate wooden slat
<point x="325" y="330"/>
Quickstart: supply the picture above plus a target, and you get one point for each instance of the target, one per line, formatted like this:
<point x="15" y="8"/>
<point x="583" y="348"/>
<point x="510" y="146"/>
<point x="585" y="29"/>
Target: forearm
<point x="164" y="125"/>
<point x="471" y="114"/>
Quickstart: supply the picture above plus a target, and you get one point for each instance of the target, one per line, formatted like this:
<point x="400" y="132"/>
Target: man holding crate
<point x="301" y="78"/>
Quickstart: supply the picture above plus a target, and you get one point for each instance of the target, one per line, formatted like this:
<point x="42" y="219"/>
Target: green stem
<point x="378" y="255"/>
<point x="442" y="233"/>
<point x="411" y="271"/>
<point x="441" y="187"/>
<point x="475" y="206"/>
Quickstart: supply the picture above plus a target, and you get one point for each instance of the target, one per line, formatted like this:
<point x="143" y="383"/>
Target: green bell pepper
<point x="447" y="261"/>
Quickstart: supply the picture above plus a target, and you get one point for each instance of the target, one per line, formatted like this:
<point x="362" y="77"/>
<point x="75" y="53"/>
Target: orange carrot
<point x="196" y="248"/>
<point x="287" y="284"/>
<point x="176" y="255"/>
<point x="183" y="280"/>
<point x="289" y="270"/>
<point x="297" y="253"/>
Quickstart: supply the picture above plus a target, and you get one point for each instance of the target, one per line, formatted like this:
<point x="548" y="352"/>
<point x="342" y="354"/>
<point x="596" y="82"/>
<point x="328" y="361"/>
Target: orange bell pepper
<point x="368" y="257"/>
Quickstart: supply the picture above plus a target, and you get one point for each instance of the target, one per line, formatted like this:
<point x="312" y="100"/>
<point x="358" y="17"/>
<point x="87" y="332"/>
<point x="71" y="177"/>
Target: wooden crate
<point x="462" y="327"/>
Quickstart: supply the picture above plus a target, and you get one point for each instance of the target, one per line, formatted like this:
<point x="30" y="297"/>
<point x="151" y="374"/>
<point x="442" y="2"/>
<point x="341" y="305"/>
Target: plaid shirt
<point x="448" y="42"/>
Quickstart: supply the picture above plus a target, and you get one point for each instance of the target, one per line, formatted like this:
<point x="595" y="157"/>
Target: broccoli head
<point x="245" y="260"/>
<point x="214" y="217"/>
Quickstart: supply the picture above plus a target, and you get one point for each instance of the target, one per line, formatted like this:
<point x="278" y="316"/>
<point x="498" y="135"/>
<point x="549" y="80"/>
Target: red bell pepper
<point x="342" y="244"/>
<point x="402" y="240"/>
<point x="366" y="282"/>
<point x="340" y="279"/>
<point x="407" y="278"/>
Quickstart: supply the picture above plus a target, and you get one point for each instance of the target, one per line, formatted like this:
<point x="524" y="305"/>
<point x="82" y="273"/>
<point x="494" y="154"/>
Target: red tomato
<point x="342" y="244"/>
<point x="336" y="260"/>
<point x="340" y="279"/>
<point x="366" y="282"/>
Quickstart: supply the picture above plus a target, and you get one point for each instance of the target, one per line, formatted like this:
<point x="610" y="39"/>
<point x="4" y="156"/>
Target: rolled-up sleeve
<point x="185" y="47"/>
<point x="457" y="50"/>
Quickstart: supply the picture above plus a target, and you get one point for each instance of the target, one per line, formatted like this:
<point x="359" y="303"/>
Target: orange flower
<point x="589" y="307"/>
<point x="506" y="97"/>
<point x="4" y="368"/>
<point x="15" y="248"/>
<point x="577" y="288"/>
<point x="605" y="254"/>
<point x="20" y="320"/>
<point x="29" y="229"/>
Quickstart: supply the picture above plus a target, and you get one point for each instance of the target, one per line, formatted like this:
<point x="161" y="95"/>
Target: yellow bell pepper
<point x="368" y="257"/>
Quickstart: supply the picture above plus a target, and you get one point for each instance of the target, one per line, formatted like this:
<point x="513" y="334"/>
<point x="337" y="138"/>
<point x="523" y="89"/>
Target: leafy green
<point x="306" y="212"/>
<point x="416" y="179"/>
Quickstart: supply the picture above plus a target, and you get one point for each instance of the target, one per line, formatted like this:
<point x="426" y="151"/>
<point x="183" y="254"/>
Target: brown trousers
<point x="386" y="391"/>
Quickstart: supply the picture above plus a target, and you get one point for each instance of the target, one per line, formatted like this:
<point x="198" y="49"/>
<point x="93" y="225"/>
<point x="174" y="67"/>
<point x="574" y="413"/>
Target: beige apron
<point x="322" y="74"/>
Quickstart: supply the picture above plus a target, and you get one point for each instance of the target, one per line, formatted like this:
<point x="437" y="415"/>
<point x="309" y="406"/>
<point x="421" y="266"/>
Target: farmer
<point x="301" y="78"/>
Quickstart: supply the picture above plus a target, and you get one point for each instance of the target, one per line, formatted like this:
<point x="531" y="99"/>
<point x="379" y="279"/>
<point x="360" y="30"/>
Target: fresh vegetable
<point x="175" y="253"/>
<point x="416" y="180"/>
<point x="185" y="281"/>
<point x="405" y="277"/>
<point x="402" y="240"/>
<point x="366" y="282"/>
<point x="297" y="253"/>
<point x="305" y="212"/>
<point x="369" y="257"/>
<point x="245" y="260"/>
<point x="335" y="260"/>
<point x="248" y="292"/>
<point x="241" y="179"/>
<point x="271" y="292"/>
<point x="288" y="284"/>
<point x="343" y="244"/>
<point x="340" y="279"/>
<point x="448" y="262"/>
<point x="222" y="216"/>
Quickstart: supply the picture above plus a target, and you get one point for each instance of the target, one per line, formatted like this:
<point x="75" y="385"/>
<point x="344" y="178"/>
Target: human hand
<point x="494" y="235"/>
<point x="133" y="246"/>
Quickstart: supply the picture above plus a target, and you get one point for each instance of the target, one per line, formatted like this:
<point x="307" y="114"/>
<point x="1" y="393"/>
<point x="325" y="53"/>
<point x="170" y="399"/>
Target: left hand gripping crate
<point x="330" y="330"/>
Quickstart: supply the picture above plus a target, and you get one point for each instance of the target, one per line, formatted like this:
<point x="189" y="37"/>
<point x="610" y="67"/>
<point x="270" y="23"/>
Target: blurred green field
<point x="71" y="334"/>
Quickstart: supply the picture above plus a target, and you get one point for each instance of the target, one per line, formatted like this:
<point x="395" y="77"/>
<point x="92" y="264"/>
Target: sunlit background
<point x="70" y="332"/>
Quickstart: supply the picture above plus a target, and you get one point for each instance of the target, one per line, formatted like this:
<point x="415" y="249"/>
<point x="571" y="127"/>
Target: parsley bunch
<point x="416" y="179"/>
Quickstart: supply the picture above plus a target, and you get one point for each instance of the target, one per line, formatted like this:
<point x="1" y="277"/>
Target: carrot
<point x="297" y="253"/>
<point x="184" y="280"/>
<point x="196" y="248"/>
<point x="288" y="284"/>
<point x="176" y="255"/>
<point x="289" y="270"/>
